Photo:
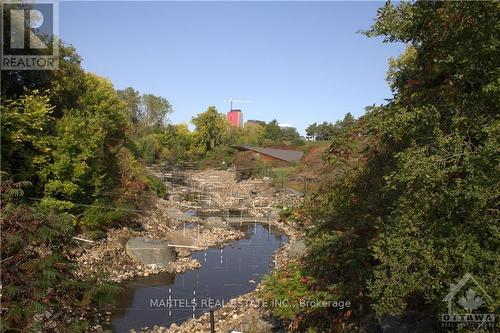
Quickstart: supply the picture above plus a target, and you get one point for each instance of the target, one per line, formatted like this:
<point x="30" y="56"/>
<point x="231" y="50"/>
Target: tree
<point x="154" y="110"/>
<point x="25" y="141"/>
<point x="325" y="131"/>
<point x="348" y="119"/>
<point x="442" y="126"/>
<point x="62" y="86"/>
<point x="211" y="128"/>
<point x="176" y="142"/>
<point x="312" y="131"/>
<point x="272" y="131"/>
<point x="291" y="135"/>
<point x="34" y="280"/>
<point x="83" y="156"/>
<point x="149" y="147"/>
<point x="133" y="101"/>
<point x="252" y="134"/>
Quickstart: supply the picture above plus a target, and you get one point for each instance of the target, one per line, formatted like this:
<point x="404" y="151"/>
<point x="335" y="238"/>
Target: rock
<point x="215" y="222"/>
<point x="149" y="251"/>
<point x="274" y="214"/>
<point x="178" y="214"/>
<point x="391" y="324"/>
<point x="297" y="249"/>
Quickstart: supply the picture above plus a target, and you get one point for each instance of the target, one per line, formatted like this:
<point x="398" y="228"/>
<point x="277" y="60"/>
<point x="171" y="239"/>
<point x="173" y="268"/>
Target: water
<point x="224" y="274"/>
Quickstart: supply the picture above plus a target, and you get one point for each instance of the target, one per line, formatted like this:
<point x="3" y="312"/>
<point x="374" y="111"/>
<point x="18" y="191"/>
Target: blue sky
<point x="299" y="62"/>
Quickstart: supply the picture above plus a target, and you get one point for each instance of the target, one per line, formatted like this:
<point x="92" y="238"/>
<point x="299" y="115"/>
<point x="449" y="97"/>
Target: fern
<point x="45" y="234"/>
<point x="35" y="307"/>
<point x="50" y="274"/>
<point x="11" y="290"/>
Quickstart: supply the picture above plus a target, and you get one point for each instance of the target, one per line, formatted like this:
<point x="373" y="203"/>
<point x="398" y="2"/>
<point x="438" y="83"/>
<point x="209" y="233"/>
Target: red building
<point x="235" y="117"/>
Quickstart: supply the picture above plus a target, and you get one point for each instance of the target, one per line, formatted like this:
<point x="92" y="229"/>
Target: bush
<point x="149" y="148"/>
<point x="217" y="157"/>
<point x="103" y="215"/>
<point x="247" y="165"/>
<point x="156" y="185"/>
<point x="37" y="275"/>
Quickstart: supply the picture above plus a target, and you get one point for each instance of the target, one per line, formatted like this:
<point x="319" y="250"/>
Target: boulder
<point x="215" y="222"/>
<point x="179" y="215"/>
<point x="274" y="214"/>
<point x="150" y="251"/>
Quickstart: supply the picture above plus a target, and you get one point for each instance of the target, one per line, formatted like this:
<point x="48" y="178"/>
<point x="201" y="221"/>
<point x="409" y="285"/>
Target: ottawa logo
<point x="467" y="302"/>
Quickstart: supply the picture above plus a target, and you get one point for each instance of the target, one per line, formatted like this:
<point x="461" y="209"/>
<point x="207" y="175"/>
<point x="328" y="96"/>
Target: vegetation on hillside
<point x="66" y="166"/>
<point x="411" y="203"/>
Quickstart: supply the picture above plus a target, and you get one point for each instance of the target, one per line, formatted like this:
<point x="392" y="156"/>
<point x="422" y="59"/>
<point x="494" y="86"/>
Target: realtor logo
<point x="465" y="304"/>
<point x="29" y="35"/>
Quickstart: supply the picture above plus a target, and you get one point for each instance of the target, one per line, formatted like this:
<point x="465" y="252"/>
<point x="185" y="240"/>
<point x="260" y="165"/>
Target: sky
<point x="299" y="62"/>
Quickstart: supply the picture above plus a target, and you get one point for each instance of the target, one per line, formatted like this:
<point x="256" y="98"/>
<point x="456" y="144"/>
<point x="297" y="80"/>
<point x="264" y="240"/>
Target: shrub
<point x="247" y="165"/>
<point x="156" y="185"/>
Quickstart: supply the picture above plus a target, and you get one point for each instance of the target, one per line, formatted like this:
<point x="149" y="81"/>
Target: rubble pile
<point x="252" y="195"/>
<point x="107" y="259"/>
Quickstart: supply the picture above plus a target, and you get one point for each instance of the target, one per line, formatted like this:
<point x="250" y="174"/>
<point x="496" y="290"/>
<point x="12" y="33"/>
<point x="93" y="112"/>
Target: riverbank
<point x="245" y="313"/>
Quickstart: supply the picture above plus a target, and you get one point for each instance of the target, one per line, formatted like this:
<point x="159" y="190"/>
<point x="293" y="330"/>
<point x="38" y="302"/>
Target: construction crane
<point x="230" y="100"/>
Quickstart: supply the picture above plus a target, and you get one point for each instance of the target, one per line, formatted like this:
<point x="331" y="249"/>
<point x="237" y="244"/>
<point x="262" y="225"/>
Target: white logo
<point x="29" y="35"/>
<point x="470" y="301"/>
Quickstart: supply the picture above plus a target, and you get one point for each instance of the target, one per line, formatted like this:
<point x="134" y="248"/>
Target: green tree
<point x="83" y="156"/>
<point x="37" y="275"/>
<point x="63" y="86"/>
<point x="149" y="147"/>
<point x="211" y="128"/>
<point x="176" y="142"/>
<point x="443" y="128"/>
<point x="25" y="141"/>
<point x="348" y="119"/>
<point x="155" y="110"/>
<point x="290" y="135"/>
<point x="252" y="134"/>
<point x="272" y="131"/>
<point x="312" y="131"/>
<point x="133" y="101"/>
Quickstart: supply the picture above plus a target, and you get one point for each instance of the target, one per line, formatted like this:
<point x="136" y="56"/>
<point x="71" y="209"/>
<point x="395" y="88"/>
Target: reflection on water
<point x="224" y="274"/>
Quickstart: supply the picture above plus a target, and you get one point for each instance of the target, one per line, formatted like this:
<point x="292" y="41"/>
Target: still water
<point x="225" y="273"/>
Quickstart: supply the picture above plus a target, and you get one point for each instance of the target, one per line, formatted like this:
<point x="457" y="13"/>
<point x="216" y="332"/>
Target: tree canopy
<point x="211" y="128"/>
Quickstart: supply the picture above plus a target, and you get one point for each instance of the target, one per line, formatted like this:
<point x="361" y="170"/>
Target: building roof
<point x="280" y="154"/>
